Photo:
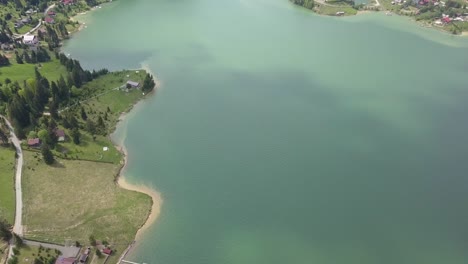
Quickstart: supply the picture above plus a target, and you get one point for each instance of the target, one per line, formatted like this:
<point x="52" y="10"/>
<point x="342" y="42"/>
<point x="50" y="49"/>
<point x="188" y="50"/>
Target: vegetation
<point x="42" y="92"/>
<point x="305" y="3"/>
<point x="83" y="197"/>
<point x="35" y="255"/>
<point x="330" y="7"/>
<point x="7" y="174"/>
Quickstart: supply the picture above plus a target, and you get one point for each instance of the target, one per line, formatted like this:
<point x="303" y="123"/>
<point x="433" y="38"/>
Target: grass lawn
<point x="75" y="199"/>
<point x="20" y="72"/>
<point x="331" y="10"/>
<point x="103" y="96"/>
<point x="89" y="149"/>
<point x="27" y="254"/>
<point x="387" y="5"/>
<point x="7" y="192"/>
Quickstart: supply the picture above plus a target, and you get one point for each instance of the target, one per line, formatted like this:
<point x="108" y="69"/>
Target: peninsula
<point x="450" y="15"/>
<point x="68" y="189"/>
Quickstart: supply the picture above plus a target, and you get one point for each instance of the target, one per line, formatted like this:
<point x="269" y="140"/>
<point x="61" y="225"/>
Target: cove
<point x="280" y="136"/>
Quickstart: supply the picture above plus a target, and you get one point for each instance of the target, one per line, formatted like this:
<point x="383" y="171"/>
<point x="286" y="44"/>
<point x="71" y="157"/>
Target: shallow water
<point x="279" y="136"/>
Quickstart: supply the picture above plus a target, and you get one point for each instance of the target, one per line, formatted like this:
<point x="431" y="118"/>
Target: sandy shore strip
<point x="155" y="197"/>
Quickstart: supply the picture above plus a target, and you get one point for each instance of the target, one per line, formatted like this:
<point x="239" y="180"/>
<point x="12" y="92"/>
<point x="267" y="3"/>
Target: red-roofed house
<point x="49" y="20"/>
<point x="107" y="251"/>
<point x="34" y="142"/>
<point x="51" y="13"/>
<point x="62" y="260"/>
<point x="446" y="19"/>
<point x="67" y="2"/>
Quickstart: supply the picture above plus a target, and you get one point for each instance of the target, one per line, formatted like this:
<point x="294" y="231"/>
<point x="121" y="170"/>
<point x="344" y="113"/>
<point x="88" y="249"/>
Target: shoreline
<point x="120" y="180"/>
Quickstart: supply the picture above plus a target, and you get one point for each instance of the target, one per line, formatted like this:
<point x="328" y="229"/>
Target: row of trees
<point x="305" y="3"/>
<point x="41" y="55"/>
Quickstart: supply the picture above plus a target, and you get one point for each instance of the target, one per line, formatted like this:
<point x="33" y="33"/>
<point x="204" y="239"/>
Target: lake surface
<point x="280" y="136"/>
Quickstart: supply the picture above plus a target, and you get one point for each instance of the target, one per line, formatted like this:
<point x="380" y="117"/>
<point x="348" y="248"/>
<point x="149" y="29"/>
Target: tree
<point x="101" y="125"/>
<point x="19" y="60"/>
<point x="98" y="253"/>
<point x="47" y="154"/>
<point x="18" y="240"/>
<point x="91" y="127"/>
<point x="84" y="116"/>
<point x="148" y="83"/>
<point x="51" y="136"/>
<point x="76" y="135"/>
<point x="92" y="240"/>
<point x="5" y="233"/>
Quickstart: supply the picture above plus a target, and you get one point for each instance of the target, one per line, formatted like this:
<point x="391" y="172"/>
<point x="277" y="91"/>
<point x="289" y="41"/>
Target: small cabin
<point x="34" y="143"/>
<point x="60" y="135"/>
<point x="132" y="84"/>
<point x="107" y="251"/>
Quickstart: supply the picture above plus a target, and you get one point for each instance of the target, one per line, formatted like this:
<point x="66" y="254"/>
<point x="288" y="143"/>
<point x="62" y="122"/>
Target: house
<point x="51" y="13"/>
<point x="49" y="20"/>
<point x="107" y="251"/>
<point x="29" y="12"/>
<point x="60" y="135"/>
<point x="340" y="13"/>
<point x="132" y="84"/>
<point x="34" y="142"/>
<point x="446" y="20"/>
<point x="67" y="2"/>
<point x="25" y="20"/>
<point x="62" y="260"/>
<point x="83" y="258"/>
<point x="5" y="46"/>
<point x="30" y="39"/>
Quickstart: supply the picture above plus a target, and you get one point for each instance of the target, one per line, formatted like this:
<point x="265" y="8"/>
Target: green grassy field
<point x="7" y="192"/>
<point x="29" y="253"/>
<point x="81" y="200"/>
<point x="20" y="72"/>
<point x="331" y="10"/>
<point x="102" y="96"/>
<point x="89" y="149"/>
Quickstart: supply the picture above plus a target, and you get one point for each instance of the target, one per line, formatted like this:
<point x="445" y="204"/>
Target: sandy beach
<point x="122" y="182"/>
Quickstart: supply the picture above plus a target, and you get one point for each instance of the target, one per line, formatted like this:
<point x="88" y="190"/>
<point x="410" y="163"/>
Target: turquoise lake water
<point x="280" y="136"/>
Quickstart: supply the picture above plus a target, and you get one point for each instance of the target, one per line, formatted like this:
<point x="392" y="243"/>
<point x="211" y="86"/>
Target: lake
<point x="281" y="136"/>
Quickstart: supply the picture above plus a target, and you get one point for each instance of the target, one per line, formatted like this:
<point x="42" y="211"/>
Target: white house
<point x="30" y="40"/>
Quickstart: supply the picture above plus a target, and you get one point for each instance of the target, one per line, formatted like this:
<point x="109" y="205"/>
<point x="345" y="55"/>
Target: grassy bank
<point x="82" y="198"/>
<point x="101" y="97"/>
<point x="20" y="72"/>
<point x="7" y="192"/>
<point x="75" y="199"/>
<point x="331" y="10"/>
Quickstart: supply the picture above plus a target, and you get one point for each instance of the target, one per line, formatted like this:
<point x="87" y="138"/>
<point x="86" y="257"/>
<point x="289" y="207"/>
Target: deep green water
<point x="279" y="136"/>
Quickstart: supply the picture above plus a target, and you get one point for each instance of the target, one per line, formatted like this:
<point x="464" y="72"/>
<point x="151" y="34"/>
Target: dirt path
<point x="18" y="226"/>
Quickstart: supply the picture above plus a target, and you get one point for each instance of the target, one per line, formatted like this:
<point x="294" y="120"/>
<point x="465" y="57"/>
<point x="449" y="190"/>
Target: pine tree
<point x="91" y="127"/>
<point x="19" y="60"/>
<point x="47" y="154"/>
<point x="84" y="116"/>
<point x="101" y="125"/>
<point x="76" y="136"/>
